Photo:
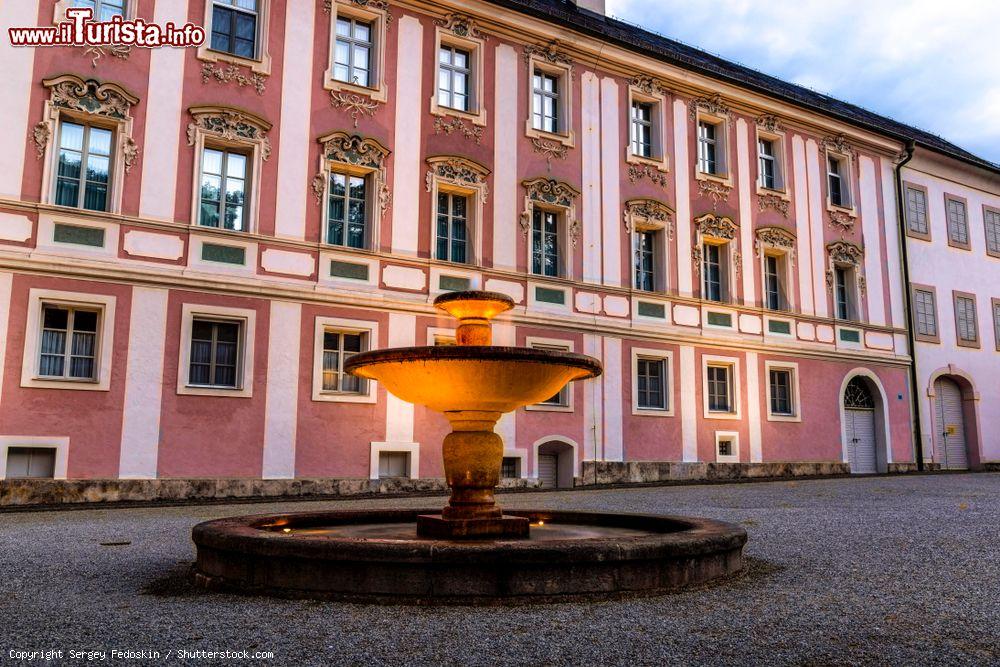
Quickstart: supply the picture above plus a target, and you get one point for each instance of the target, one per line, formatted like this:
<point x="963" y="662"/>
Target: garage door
<point x="950" y="425"/>
<point x="547" y="465"/>
<point x="861" y="441"/>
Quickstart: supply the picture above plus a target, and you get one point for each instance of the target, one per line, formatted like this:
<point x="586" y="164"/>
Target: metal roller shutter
<point x="951" y="425"/>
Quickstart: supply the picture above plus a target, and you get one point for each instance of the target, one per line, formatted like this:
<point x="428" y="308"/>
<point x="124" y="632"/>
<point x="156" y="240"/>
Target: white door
<point x="861" y="441"/>
<point x="950" y="425"/>
<point x="548" y="465"/>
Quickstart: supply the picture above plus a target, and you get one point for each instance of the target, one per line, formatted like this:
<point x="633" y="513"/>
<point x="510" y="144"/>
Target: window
<point x="966" y="324"/>
<point x="645" y="260"/>
<point x="780" y="388"/>
<point x="774" y="298"/>
<point x="215" y="354"/>
<point x="103" y="9"/>
<point x="842" y="292"/>
<point x="719" y="390"/>
<point x="916" y="212"/>
<point x="727" y="447"/>
<point x="393" y="464"/>
<point x="352" y="54"/>
<point x="454" y="77"/>
<point x="223" y="189"/>
<point x="996" y="322"/>
<point x="545" y="260"/>
<point x="347" y="213"/>
<point x="338" y="347"/>
<point x="651" y="385"/>
<point x="561" y="401"/>
<point x="708" y="148"/>
<point x="713" y="284"/>
<point x="925" y="314"/>
<point x="84" y="166"/>
<point x="768" y="167"/>
<point x="958" y="222"/>
<point x="68" y="345"/>
<point x="510" y="467"/>
<point x="991" y="221"/>
<point x="31" y="462"/>
<point x="234" y="27"/>
<point x="642" y="129"/>
<point x="836" y="175"/>
<point x="546" y="103"/>
<point x="452" y="227"/>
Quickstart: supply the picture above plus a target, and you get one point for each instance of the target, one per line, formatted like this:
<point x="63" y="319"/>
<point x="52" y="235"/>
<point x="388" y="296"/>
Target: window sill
<point x="837" y="208"/>
<point x="651" y="412"/>
<point x="727" y="459"/>
<point x="780" y="193"/>
<point x="661" y="164"/>
<point x="477" y="117"/>
<point x="568" y="139"/>
<point x="960" y="246"/>
<point x="730" y="416"/>
<point x="200" y="390"/>
<point x="548" y="408"/>
<point x="723" y="179"/>
<point x="379" y="93"/>
<point x="968" y="344"/>
<point x="66" y="383"/>
<point x="330" y="397"/>
<point x="783" y="418"/>
<point x="260" y="66"/>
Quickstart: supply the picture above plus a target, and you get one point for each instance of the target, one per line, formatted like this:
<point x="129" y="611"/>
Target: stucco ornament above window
<point x="779" y="204"/>
<point x="352" y="150"/>
<point x="549" y="149"/>
<point x="637" y="172"/>
<point x="839" y="144"/>
<point x="354" y="104"/>
<point x="458" y="171"/>
<point x="719" y="192"/>
<point x="231" y="125"/>
<point x="769" y="123"/>
<point x="648" y="215"/>
<point x="90" y="96"/>
<point x="461" y="25"/>
<point x="842" y="221"/>
<point x="549" y="53"/>
<point x="775" y="237"/>
<point x="649" y="85"/>
<point x="382" y="5"/>
<point x="716" y="227"/>
<point x="844" y="253"/>
<point x="550" y="192"/>
<point x="444" y="125"/>
<point x="233" y="74"/>
<point x="713" y="104"/>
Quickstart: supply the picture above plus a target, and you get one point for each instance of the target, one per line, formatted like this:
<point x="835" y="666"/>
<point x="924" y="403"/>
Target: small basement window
<point x="393" y="464"/>
<point x="31" y="462"/>
<point x="510" y="468"/>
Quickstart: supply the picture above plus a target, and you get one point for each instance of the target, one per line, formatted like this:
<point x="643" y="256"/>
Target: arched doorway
<point x="555" y="464"/>
<point x="859" y="427"/>
<point x="949" y="417"/>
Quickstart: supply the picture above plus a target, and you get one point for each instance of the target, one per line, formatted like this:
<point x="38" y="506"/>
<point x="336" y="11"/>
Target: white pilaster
<point x="746" y="217"/>
<point x="161" y="144"/>
<point x="16" y="70"/>
<point x="610" y="183"/>
<point x="293" y="156"/>
<point x="406" y="162"/>
<point x="6" y="281"/>
<point x="140" y="444"/>
<point x="593" y="401"/>
<point x="281" y="410"/>
<point x="399" y="413"/>
<point x="590" y="145"/>
<point x="505" y="123"/>
<point x="682" y="179"/>
<point x="803" y="249"/>
<point x="870" y="225"/>
<point x="613" y="393"/>
<point x="753" y="407"/>
<point x="894" y="265"/>
<point x="816" y="221"/>
<point x="689" y="404"/>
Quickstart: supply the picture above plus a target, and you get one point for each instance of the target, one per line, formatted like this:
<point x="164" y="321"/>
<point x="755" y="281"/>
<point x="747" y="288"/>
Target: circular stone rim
<point x="477" y="353"/>
<point x="240" y="554"/>
<point x="474" y="295"/>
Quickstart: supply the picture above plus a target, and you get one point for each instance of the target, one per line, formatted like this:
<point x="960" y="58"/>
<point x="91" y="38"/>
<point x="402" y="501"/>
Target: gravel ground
<point x="900" y="571"/>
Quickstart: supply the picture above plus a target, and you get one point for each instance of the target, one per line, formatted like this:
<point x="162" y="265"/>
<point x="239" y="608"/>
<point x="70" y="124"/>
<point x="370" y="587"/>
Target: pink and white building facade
<point x="193" y="240"/>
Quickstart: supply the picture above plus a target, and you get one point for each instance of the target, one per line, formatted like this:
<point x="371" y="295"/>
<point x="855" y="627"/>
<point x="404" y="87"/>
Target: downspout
<point x="907" y="304"/>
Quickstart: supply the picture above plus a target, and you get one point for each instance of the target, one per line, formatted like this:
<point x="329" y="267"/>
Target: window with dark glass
<point x="223" y="189"/>
<point x="84" y="168"/>
<point x="215" y="354"/>
<point x="352" y="54"/>
<point x="781" y="392"/>
<point x="712" y="271"/>
<point x="545" y="243"/>
<point x="991" y="219"/>
<point x="560" y="399"/>
<point x="645" y="260"/>
<point x="708" y="162"/>
<point x="773" y="293"/>
<point x="452" y="227"/>
<point x="347" y="213"/>
<point x="642" y="129"/>
<point x="68" y="347"/>
<point x="958" y="222"/>
<point x="926" y="313"/>
<point x="768" y="165"/>
<point x="651" y="384"/>
<point x="234" y="27"/>
<point x="719" y="389"/>
<point x="510" y="467"/>
<point x="842" y="293"/>
<point x="965" y="315"/>
<point x="103" y="9"/>
<point x="835" y="180"/>
<point x="338" y="347"/>
<point x="545" y="102"/>
<point x="916" y="210"/>
<point x="454" y="75"/>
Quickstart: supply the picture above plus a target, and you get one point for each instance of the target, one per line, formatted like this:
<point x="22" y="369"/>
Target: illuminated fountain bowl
<point x="376" y="555"/>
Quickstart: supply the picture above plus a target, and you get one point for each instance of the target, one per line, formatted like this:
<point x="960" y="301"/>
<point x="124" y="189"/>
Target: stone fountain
<point x="470" y="550"/>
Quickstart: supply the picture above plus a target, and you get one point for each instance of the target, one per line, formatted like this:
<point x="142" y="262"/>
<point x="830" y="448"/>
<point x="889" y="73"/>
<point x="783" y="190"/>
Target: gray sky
<point x="929" y="63"/>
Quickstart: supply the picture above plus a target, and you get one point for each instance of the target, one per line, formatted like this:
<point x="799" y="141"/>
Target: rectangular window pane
<point x="781" y="392"/>
<point x="958" y="224"/>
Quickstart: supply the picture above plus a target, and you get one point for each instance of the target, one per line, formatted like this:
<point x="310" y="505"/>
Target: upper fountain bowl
<point x="484" y="378"/>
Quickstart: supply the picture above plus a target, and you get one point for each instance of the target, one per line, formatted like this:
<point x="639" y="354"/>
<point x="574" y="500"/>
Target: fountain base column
<point x="472" y="458"/>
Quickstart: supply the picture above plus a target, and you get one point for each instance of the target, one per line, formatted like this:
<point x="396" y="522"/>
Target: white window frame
<point x="473" y="185"/>
<point x="723" y="164"/>
<point x="786" y="295"/>
<point x="794" y="394"/>
<point x="564" y="74"/>
<point x="475" y="47"/>
<point x="735" y="390"/>
<point x="368" y="328"/>
<point x="847" y="181"/>
<point x="563" y="345"/>
<point x="653" y="354"/>
<point x="60" y="444"/>
<point x="411" y="448"/>
<point x="104" y="304"/>
<point x="247" y="318"/>
<point x="658" y="101"/>
<point x="376" y="188"/>
<point x="249" y="186"/>
<point x="725" y="270"/>
<point x="261" y="62"/>
<point x="732" y="436"/>
<point x="379" y="19"/>
<point x="777" y="138"/>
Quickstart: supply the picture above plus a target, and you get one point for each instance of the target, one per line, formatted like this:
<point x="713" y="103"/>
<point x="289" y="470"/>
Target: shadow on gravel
<point x="175" y="583"/>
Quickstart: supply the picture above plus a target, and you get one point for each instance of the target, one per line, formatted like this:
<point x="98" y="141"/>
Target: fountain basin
<point x="377" y="555"/>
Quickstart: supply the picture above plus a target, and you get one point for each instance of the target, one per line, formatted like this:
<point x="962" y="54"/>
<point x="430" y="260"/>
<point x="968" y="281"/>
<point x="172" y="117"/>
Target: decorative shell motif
<point x="713" y="104"/>
<point x="355" y="150"/>
<point x="90" y="96"/>
<point x="461" y="25"/>
<point x="550" y="53"/>
<point x="779" y="204"/>
<point x="648" y="85"/>
<point x="839" y="144"/>
<point x="841" y="220"/>
<point x="550" y="191"/>
<point x="374" y="4"/>
<point x="232" y="125"/>
<point x="716" y="227"/>
<point x="769" y="122"/>
<point x="649" y="213"/>
<point x="775" y="237"/>
<point x="459" y="171"/>
<point x="842" y="252"/>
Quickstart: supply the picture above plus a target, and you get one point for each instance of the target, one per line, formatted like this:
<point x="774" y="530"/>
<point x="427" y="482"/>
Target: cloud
<point x="931" y="64"/>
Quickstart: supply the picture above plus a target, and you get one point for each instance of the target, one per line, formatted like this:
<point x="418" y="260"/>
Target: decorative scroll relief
<point x="719" y="192"/>
<point x="40" y="135"/>
<point x="648" y="214"/>
<point x="366" y="154"/>
<point x="842" y="221"/>
<point x="380" y="5"/>
<point x="458" y="171"/>
<point x="775" y="237"/>
<point x="231" y="125"/>
<point x="354" y="104"/>
<point x="122" y="51"/>
<point x="779" y="204"/>
<point x="638" y="172"/>
<point x="461" y="25"/>
<point x="553" y="193"/>
<point x="716" y="227"/>
<point x="648" y="85"/>
<point x="90" y="96"/>
<point x="713" y="104"/>
<point x="550" y="53"/>
<point x="845" y="253"/>
<point x="839" y="144"/>
<point x="232" y="74"/>
<point x="449" y="125"/>
<point x="550" y="149"/>
<point x="769" y="123"/>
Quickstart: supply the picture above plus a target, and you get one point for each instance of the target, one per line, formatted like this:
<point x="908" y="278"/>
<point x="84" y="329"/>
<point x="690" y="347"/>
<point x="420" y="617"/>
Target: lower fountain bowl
<point x="376" y="555"/>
